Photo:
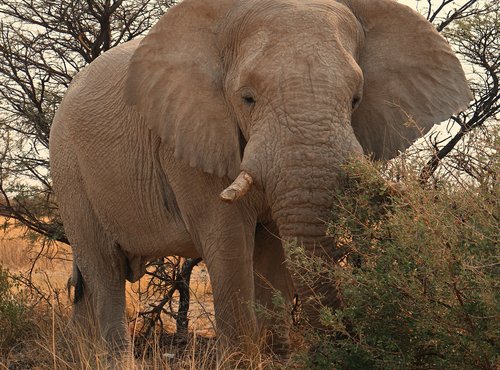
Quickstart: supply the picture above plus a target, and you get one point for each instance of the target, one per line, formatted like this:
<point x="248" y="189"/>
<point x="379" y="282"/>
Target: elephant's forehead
<point x="295" y="23"/>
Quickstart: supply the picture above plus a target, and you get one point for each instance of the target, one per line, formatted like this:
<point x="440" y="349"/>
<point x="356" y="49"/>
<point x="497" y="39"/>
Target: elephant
<point x="222" y="133"/>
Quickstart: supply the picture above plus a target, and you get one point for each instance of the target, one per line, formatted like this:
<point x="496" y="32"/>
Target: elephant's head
<point x="288" y="90"/>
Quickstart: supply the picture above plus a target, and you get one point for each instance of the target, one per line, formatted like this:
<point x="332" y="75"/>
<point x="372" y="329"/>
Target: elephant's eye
<point x="355" y="102"/>
<point x="248" y="99"/>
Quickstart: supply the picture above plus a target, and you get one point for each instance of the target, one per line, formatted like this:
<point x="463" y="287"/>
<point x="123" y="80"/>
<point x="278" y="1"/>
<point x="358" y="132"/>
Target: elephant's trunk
<point x="294" y="155"/>
<point x="302" y="197"/>
<point x="301" y="215"/>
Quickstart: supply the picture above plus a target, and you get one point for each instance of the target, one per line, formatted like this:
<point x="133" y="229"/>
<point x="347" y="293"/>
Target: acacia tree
<point x="473" y="28"/>
<point x="43" y="44"/>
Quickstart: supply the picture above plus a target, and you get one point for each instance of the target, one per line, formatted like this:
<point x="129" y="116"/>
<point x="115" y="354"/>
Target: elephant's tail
<point x="76" y="280"/>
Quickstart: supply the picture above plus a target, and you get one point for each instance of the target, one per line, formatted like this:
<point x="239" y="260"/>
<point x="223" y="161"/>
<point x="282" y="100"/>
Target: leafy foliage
<point x="420" y="282"/>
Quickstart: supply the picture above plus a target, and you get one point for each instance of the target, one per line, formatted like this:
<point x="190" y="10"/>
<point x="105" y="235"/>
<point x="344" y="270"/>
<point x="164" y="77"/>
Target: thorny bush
<point x="420" y="281"/>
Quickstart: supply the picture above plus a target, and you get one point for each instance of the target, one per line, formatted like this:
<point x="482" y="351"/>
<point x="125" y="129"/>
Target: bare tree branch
<point x="42" y="45"/>
<point x="474" y="31"/>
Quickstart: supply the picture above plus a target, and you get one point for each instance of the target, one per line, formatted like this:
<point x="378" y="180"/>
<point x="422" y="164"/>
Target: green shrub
<point x="14" y="314"/>
<point x="420" y="284"/>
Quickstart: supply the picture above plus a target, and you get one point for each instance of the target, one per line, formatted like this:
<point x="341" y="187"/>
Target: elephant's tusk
<point x="240" y="186"/>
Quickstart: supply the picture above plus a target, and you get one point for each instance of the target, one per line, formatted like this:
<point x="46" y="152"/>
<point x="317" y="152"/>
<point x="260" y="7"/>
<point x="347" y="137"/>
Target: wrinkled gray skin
<point x="151" y="132"/>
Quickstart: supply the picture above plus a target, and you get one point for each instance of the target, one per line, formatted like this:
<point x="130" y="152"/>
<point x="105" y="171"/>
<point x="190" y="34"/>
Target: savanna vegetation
<point x="419" y="281"/>
<point x="421" y="272"/>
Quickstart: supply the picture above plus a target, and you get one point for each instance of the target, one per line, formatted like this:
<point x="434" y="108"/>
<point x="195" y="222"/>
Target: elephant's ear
<point x="412" y="78"/>
<point x="175" y="83"/>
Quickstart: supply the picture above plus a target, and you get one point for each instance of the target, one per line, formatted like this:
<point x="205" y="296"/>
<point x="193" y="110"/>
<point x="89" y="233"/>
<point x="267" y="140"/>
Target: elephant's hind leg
<point x="273" y="289"/>
<point x="99" y="275"/>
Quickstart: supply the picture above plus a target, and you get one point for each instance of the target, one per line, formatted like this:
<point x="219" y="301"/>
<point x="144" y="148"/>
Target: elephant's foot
<point x="281" y="350"/>
<point x="121" y="361"/>
<point x="277" y="344"/>
<point x="241" y="352"/>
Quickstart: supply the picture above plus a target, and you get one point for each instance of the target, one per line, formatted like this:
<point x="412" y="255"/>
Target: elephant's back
<point x="98" y="88"/>
<point x="95" y="96"/>
<point x="90" y="105"/>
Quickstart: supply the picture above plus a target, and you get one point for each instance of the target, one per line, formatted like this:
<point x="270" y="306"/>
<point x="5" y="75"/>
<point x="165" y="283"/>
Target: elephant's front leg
<point x="228" y="254"/>
<point x="224" y="236"/>
<point x="273" y="289"/>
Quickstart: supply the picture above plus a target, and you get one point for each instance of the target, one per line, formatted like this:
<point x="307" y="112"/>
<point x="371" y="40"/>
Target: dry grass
<point x="54" y="344"/>
<point x="12" y="251"/>
<point x="50" y="267"/>
<point x="50" y="342"/>
<point x="47" y="266"/>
